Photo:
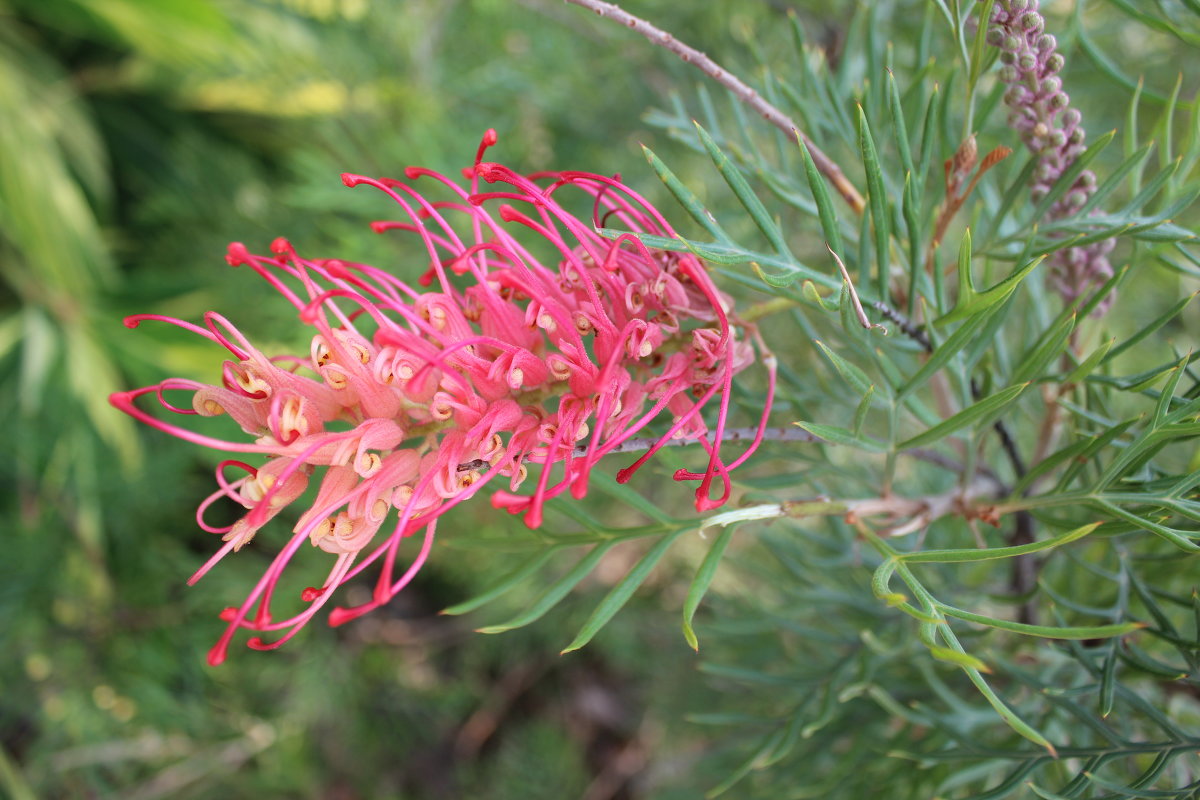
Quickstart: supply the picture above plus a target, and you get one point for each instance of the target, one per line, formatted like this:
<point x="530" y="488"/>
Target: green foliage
<point x="962" y="565"/>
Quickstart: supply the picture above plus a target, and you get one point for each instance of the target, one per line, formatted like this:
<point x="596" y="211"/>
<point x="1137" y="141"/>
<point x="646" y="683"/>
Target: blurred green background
<point x="139" y="137"/>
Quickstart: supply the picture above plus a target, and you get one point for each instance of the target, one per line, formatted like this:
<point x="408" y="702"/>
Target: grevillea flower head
<point x="414" y="398"/>
<point x="1039" y="110"/>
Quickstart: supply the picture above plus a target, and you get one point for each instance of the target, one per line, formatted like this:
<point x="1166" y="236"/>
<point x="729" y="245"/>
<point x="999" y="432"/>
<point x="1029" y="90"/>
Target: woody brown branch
<point x="744" y="93"/>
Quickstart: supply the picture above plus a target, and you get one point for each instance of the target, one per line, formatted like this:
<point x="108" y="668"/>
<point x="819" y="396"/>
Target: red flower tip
<point x="281" y="247"/>
<point x="132" y="322"/>
<point x="412" y="173"/>
<point x="379" y="226"/>
<point x="216" y="656"/>
<point x="579" y="487"/>
<point x="512" y="503"/>
<point x="237" y="254"/>
<point x="337" y="268"/>
<point x="533" y="517"/>
<point x="340" y="615"/>
<point x="489" y="139"/>
<point x="311" y="593"/>
<point x="119" y="400"/>
<point x="352" y="180"/>
<point x="708" y="504"/>
<point x="490" y="171"/>
<point x="228" y="614"/>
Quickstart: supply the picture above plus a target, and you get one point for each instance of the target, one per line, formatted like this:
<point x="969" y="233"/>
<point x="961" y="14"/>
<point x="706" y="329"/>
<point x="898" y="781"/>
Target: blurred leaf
<point x="701" y="582"/>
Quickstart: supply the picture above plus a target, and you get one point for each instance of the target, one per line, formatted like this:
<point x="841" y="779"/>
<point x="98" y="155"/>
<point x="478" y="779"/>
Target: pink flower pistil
<point x="413" y="399"/>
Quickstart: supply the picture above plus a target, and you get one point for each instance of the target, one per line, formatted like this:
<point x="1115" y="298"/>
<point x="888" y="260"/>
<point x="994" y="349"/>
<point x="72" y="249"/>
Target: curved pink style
<point x="414" y="399"/>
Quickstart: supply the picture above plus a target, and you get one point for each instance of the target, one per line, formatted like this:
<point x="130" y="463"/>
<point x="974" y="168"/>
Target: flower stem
<point x="750" y="97"/>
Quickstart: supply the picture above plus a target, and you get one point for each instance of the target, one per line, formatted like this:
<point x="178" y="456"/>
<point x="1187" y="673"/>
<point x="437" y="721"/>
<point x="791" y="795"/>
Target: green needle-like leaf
<point x="504" y="585"/>
<point x="686" y="197"/>
<point x="854" y="376"/>
<point x="990" y="553"/>
<point x="946" y="351"/>
<point x="877" y="201"/>
<point x="619" y="595"/>
<point x="701" y="582"/>
<point x="985" y="408"/>
<point x="1046" y="631"/>
<point x="555" y="592"/>
<point x="825" y="208"/>
<point x="745" y="195"/>
<point x="835" y="435"/>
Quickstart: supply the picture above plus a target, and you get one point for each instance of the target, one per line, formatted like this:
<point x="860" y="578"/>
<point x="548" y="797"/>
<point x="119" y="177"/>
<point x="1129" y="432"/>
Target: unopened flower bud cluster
<point x="1039" y="110"/>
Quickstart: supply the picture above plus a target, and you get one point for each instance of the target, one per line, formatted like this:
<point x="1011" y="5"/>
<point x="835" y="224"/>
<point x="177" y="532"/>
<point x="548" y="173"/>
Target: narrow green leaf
<point x="1045" y="631"/>
<point x="728" y="255"/>
<point x="977" y="302"/>
<point x="701" y="582"/>
<point x="555" y="592"/>
<point x="1050" y="345"/>
<point x="860" y="413"/>
<point x="825" y="208"/>
<point x="1089" y="364"/>
<point x="1108" y="680"/>
<point x="929" y="131"/>
<point x="1007" y="714"/>
<point x="959" y="658"/>
<point x="966" y="283"/>
<point x="1019" y="188"/>
<point x="686" y="197"/>
<point x="504" y="585"/>
<point x="978" y="411"/>
<point x="1180" y="539"/>
<point x="835" y="435"/>
<point x="899" y="126"/>
<point x="855" y="377"/>
<point x="619" y="595"/>
<point x="1104" y="291"/>
<point x="1150" y="327"/>
<point x="1168" y="393"/>
<point x="946" y="351"/>
<point x="990" y="553"/>
<point x="1114" y="179"/>
<point x="1151" y="189"/>
<point x="810" y="293"/>
<point x="627" y="496"/>
<point x="1139" y="659"/>
<point x="877" y="201"/>
<point x="1164" y="130"/>
<point x="745" y="195"/>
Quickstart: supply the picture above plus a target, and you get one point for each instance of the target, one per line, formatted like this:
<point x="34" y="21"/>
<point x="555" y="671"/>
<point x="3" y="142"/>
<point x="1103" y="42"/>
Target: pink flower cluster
<point x="414" y="399"/>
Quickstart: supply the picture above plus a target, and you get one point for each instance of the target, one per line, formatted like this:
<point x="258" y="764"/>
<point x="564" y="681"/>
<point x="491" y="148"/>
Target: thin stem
<point x="903" y="515"/>
<point x="750" y="97"/>
<point x="790" y="434"/>
<point x="858" y="309"/>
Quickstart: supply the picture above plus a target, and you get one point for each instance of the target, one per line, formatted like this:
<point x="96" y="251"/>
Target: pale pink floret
<point x="415" y="400"/>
